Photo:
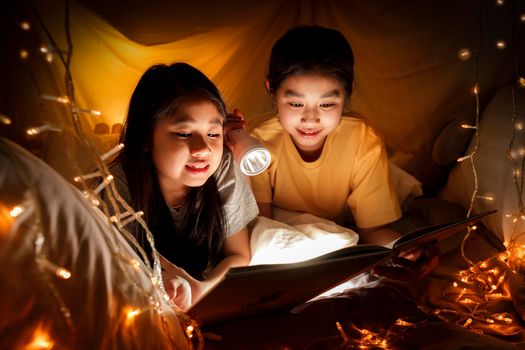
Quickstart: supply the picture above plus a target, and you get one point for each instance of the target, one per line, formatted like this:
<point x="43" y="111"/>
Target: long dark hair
<point x="311" y="49"/>
<point x="200" y="237"/>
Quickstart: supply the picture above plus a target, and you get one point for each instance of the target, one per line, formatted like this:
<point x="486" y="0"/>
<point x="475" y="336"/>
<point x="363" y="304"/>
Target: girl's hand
<point x="181" y="287"/>
<point x="234" y="120"/>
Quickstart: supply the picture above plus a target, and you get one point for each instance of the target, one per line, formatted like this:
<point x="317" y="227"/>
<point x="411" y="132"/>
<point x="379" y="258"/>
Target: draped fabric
<point x="409" y="79"/>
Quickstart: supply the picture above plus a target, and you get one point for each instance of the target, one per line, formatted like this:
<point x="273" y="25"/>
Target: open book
<point x="257" y="289"/>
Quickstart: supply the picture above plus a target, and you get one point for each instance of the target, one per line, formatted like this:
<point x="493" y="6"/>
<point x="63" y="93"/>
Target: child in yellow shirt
<point x="323" y="163"/>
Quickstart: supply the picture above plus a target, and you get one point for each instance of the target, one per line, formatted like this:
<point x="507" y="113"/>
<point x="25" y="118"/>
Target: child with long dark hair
<point x="175" y="169"/>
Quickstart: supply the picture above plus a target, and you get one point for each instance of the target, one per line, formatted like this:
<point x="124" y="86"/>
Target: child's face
<point x="187" y="147"/>
<point x="310" y="107"/>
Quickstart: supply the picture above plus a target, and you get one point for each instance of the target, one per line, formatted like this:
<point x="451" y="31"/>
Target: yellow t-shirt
<point x="350" y="178"/>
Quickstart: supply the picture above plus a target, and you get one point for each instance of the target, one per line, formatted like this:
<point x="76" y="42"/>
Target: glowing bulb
<point x="40" y="341"/>
<point x="521" y="81"/>
<point x="63" y="273"/>
<point x="519" y="125"/>
<point x="59" y="99"/>
<point x="112" y="151"/>
<point x="44" y="49"/>
<point x="49" y="57"/>
<point x="500" y="2"/>
<point x="131" y="313"/>
<point x="500" y="44"/>
<point x="5" y="120"/>
<point x="522" y="17"/>
<point x="466" y="126"/>
<point x="189" y="331"/>
<point x="464" y="54"/>
<point x="455" y="284"/>
<point x="25" y="25"/>
<point x="40" y="129"/>
<point x="475" y="89"/>
<point x="24" y="54"/>
<point x="16" y="211"/>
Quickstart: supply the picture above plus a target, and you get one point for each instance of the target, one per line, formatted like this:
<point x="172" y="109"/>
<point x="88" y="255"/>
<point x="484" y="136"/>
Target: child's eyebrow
<point x="331" y="93"/>
<point x="189" y="120"/>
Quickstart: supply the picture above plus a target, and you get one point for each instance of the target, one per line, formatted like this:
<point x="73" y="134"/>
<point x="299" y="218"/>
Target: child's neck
<point x="312" y="155"/>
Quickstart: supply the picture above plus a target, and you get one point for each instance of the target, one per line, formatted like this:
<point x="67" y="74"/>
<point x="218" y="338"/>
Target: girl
<point x="174" y="168"/>
<point x="324" y="163"/>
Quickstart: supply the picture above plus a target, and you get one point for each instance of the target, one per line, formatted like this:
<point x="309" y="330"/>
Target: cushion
<point x="494" y="168"/>
<point x="108" y="301"/>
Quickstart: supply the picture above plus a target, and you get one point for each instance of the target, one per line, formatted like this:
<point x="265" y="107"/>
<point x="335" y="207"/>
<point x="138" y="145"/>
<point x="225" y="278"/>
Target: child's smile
<point x="310" y="107"/>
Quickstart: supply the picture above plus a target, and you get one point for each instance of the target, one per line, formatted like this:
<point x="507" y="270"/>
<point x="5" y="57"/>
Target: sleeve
<point x="239" y="202"/>
<point x="262" y="186"/>
<point x="373" y="200"/>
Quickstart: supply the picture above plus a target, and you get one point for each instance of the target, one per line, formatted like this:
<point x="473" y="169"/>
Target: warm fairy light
<point x="461" y="159"/>
<point x="455" y="284"/>
<point x="500" y="2"/>
<point x="518" y="125"/>
<point x="16" y="211"/>
<point x="41" y="129"/>
<point x="59" y="99"/>
<point x="501" y="44"/>
<point x="464" y="54"/>
<point x="87" y="176"/>
<point x="5" y="120"/>
<point x="40" y="341"/>
<point x="63" y="273"/>
<point x="49" y="57"/>
<point x="400" y="322"/>
<point x="25" y="25"/>
<point x="103" y="184"/>
<point x="112" y="151"/>
<point x="88" y="111"/>
<point x="475" y="89"/>
<point x="488" y="197"/>
<point x="93" y="200"/>
<point x="189" y="331"/>
<point x="133" y="217"/>
<point x="522" y="17"/>
<point x="24" y="54"/>
<point x="131" y="313"/>
<point x="466" y="126"/>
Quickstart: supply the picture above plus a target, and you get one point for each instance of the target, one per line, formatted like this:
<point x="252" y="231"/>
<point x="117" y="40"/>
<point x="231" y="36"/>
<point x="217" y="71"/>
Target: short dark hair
<point x="311" y="49"/>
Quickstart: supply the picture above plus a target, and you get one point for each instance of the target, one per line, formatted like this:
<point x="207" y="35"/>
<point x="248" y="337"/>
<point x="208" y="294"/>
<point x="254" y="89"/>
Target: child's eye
<point x="295" y="104"/>
<point x="214" y="135"/>
<point x="183" y="135"/>
<point x="327" y="105"/>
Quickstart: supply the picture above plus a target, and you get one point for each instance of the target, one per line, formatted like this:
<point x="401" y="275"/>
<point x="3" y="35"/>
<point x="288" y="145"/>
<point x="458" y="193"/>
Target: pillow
<point x="494" y="167"/>
<point x="109" y="295"/>
<point x="294" y="237"/>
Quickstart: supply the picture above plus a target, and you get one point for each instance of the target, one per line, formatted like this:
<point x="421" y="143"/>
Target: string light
<point x="25" y="25"/>
<point x="112" y="151"/>
<point x="464" y="54"/>
<point x="41" y="261"/>
<point x="103" y="184"/>
<point x="466" y="126"/>
<point x="40" y="341"/>
<point x="521" y="81"/>
<point x="501" y="44"/>
<point x="488" y="197"/>
<point x="87" y="176"/>
<point x="5" y="119"/>
<point x="41" y="129"/>
<point x="24" y="54"/>
<point x="522" y="17"/>
<point x="59" y="99"/>
<point x="16" y="211"/>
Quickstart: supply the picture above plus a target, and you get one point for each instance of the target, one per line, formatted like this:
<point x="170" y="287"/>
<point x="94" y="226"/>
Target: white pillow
<point x="103" y="287"/>
<point x="494" y="167"/>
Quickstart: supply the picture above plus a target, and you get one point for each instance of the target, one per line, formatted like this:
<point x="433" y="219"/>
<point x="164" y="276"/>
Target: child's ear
<point x="267" y="85"/>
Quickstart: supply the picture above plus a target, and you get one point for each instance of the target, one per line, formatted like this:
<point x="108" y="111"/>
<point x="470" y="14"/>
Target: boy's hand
<point x="411" y="264"/>
<point x="234" y="120"/>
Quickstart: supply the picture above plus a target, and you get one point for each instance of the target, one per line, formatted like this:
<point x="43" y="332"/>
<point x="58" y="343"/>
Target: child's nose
<point x="199" y="147"/>
<point x="310" y="116"/>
